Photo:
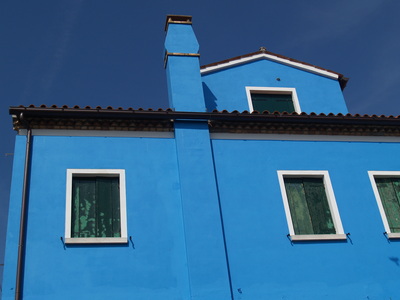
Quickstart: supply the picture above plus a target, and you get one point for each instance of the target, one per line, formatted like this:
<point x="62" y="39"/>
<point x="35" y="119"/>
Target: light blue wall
<point x="12" y="239"/>
<point x="180" y="38"/>
<point x="264" y="263"/>
<point x="153" y="268"/>
<point x="173" y="218"/>
<point x="207" y="268"/>
<point x="184" y="84"/>
<point x="182" y="69"/>
<point x="225" y="89"/>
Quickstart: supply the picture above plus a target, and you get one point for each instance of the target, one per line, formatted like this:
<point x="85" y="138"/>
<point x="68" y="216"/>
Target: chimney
<point x="185" y="90"/>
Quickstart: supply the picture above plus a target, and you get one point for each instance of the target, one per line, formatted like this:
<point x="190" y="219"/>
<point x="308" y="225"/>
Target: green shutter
<point x="389" y="192"/>
<point x="318" y="206"/>
<point x="83" y="207"/>
<point x="309" y="207"/>
<point x="298" y="206"/>
<point x="95" y="207"/>
<point x="273" y="102"/>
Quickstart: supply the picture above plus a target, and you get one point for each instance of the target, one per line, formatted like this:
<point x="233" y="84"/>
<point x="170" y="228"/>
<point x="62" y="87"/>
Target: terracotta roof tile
<point x="43" y="108"/>
<point x="76" y="118"/>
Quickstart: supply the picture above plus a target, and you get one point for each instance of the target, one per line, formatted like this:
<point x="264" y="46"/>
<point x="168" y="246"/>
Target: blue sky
<point x="110" y="53"/>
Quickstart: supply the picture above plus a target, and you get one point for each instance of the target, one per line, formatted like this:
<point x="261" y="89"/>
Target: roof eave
<point x="264" y="54"/>
<point x="235" y="116"/>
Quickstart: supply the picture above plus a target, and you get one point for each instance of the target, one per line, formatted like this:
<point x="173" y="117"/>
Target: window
<point x="386" y="186"/>
<point x="310" y="205"/>
<point x="272" y="99"/>
<point x="95" y="206"/>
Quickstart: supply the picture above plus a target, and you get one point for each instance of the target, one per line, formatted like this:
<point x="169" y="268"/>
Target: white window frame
<point x="68" y="210"/>
<point x="340" y="235"/>
<point x="381" y="174"/>
<point x="274" y="91"/>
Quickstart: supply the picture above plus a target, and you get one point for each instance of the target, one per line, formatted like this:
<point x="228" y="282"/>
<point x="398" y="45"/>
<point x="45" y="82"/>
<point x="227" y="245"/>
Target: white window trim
<point x="122" y="187"/>
<point x="372" y="176"/>
<point x="340" y="235"/>
<point x="272" y="90"/>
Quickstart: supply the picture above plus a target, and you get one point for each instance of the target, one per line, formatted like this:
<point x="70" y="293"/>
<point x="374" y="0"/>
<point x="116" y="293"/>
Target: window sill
<point x="109" y="240"/>
<point x="318" y="237"/>
<point x="393" y="235"/>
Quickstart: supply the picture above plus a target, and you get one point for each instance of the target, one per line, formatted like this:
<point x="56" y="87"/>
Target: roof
<point x="87" y="118"/>
<point x="264" y="54"/>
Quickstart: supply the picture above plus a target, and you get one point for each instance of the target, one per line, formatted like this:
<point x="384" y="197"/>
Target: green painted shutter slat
<point x="95" y="207"/>
<point x="84" y="207"/>
<point x="75" y="210"/>
<point x="317" y="201"/>
<point x="389" y="191"/>
<point x="104" y="209"/>
<point x="273" y="102"/>
<point x="396" y="218"/>
<point x="299" y="210"/>
<point x="309" y="207"/>
<point x="116" y="213"/>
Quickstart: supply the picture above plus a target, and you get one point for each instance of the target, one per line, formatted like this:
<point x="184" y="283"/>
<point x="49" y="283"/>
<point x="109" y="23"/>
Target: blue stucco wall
<point x="264" y="263"/>
<point x="182" y="69"/>
<point x="12" y="239"/>
<point x="173" y="218"/>
<point x="184" y="84"/>
<point x="153" y="267"/>
<point x="207" y="267"/>
<point x="225" y="89"/>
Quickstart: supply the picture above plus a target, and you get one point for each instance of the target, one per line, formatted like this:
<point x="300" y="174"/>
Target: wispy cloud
<point x="57" y="60"/>
<point x="51" y="56"/>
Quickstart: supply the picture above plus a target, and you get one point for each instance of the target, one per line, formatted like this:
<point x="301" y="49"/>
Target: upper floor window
<point x="95" y="206"/>
<point x="310" y="205"/>
<point x="386" y="186"/>
<point x="272" y="99"/>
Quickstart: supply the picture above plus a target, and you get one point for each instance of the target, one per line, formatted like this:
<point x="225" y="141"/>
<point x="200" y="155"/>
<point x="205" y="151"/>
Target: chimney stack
<point x="185" y="90"/>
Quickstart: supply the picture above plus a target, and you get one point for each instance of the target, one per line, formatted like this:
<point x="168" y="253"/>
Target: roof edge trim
<point x="257" y="56"/>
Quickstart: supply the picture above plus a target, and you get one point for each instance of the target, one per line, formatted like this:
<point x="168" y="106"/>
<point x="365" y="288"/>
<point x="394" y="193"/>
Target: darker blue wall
<point x="264" y="263"/>
<point x="178" y="244"/>
<point x="225" y="89"/>
<point x="152" y="267"/>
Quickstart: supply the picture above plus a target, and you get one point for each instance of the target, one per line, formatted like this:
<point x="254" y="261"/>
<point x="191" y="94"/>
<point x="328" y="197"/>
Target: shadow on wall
<point x="209" y="98"/>
<point x="395" y="260"/>
<point x="130" y="243"/>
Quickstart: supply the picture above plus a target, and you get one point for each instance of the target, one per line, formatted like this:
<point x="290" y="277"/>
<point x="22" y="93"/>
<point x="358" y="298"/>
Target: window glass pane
<point x="273" y="102"/>
<point x="309" y="206"/>
<point x="389" y="192"/>
<point x="95" y="207"/>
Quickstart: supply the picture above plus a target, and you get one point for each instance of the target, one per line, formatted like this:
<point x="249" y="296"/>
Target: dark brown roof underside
<point x="110" y="119"/>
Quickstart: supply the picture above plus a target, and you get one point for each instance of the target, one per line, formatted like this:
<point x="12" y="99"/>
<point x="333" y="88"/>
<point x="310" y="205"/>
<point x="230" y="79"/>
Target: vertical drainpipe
<point x="24" y="208"/>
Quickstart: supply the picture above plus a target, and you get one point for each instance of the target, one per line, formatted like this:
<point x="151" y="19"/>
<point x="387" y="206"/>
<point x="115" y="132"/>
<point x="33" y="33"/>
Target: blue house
<point x="256" y="184"/>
